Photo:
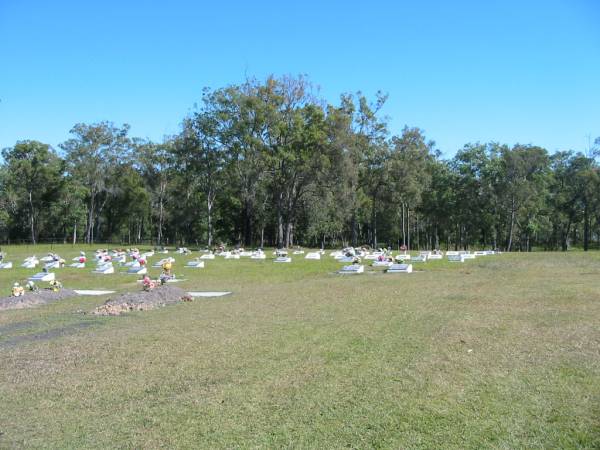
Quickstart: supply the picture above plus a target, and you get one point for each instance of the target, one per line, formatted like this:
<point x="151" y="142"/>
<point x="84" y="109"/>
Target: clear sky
<point x="524" y="71"/>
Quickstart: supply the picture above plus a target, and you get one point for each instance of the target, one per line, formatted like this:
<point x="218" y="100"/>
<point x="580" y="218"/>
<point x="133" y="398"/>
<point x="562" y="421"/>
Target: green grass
<point x="501" y="352"/>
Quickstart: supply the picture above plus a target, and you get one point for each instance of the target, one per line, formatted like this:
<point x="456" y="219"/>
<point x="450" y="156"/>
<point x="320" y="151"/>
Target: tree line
<point x="270" y="163"/>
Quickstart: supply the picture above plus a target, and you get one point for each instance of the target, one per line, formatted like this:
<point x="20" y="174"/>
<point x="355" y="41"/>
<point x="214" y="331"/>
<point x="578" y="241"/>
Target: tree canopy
<point x="271" y="163"/>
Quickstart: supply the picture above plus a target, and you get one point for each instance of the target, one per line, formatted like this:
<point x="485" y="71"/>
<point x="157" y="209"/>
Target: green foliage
<point x="270" y="163"/>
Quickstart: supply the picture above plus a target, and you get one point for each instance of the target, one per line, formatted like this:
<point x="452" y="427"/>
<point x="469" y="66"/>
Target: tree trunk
<point x="280" y="232"/>
<point x="31" y="218"/>
<point x="354" y="232"/>
<point x="209" y="205"/>
<point x="90" y="221"/>
<point x="160" y="221"/>
<point x="408" y="228"/>
<point x="247" y="223"/>
<point x="403" y="227"/>
<point x="512" y="226"/>
<point x="374" y="225"/>
<point x="289" y="230"/>
<point x="586" y="228"/>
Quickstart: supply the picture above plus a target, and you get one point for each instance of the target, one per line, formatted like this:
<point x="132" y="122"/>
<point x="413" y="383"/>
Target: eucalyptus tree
<point x="92" y="154"/>
<point x="367" y="151"/>
<point x="68" y="210"/>
<point x="204" y="155"/>
<point x="439" y="203"/>
<point x="7" y="203"/>
<point x="525" y="175"/>
<point x="127" y="205"/>
<point x="33" y="174"/>
<point x="409" y="175"/>
<point x="157" y="165"/>
<point x="573" y="195"/>
<point x="242" y="131"/>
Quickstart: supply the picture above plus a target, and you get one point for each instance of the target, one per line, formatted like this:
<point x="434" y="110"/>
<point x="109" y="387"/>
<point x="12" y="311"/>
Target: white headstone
<point x="352" y="269"/>
<point x="382" y="263"/>
<point x="400" y="268"/>
<point x="196" y="264"/>
<point x="283" y="259"/>
<point x="43" y="276"/>
<point x="313" y="255"/>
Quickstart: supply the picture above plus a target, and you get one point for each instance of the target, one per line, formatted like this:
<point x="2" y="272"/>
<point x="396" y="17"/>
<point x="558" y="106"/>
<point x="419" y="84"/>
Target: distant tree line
<point x="271" y="164"/>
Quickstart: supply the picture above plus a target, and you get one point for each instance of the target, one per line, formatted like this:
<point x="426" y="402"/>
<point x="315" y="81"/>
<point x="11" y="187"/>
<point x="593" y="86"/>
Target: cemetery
<point x="205" y="245"/>
<point x="214" y="306"/>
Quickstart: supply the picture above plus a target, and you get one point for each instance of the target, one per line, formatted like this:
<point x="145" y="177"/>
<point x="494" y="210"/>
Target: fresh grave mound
<point x="142" y="300"/>
<point x="31" y="299"/>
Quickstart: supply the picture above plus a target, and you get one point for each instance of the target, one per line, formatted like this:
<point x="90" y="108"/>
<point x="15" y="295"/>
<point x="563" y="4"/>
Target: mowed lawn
<point x="499" y="352"/>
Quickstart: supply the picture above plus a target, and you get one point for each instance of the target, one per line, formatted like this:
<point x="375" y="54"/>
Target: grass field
<point x="499" y="352"/>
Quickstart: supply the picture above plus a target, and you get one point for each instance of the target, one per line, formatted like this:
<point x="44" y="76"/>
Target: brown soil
<point x="31" y="299"/>
<point x="142" y="300"/>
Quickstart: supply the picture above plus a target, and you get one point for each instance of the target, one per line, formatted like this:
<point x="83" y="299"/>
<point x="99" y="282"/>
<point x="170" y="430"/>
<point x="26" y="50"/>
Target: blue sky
<point x="463" y="71"/>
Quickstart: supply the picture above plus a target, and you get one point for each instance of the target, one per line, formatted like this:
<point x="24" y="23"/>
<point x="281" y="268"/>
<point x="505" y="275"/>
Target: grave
<point x="52" y="265"/>
<point x="77" y="265"/>
<point x="313" y="255"/>
<point x="122" y="259"/>
<point x="6" y="265"/>
<point x="400" y="268"/>
<point x="104" y="269"/>
<point x="30" y="263"/>
<point x="419" y="259"/>
<point x="195" y="264"/>
<point x="456" y="258"/>
<point x="207" y="256"/>
<point x="346" y="259"/>
<point x="258" y="255"/>
<point x="140" y="270"/>
<point x="283" y="259"/>
<point x="92" y="292"/>
<point x="160" y="263"/>
<point x="43" y="276"/>
<point x="209" y="293"/>
<point x="352" y="269"/>
<point x="381" y="263"/>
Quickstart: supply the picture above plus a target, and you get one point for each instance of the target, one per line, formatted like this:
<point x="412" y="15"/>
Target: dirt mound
<point x="31" y="299"/>
<point x="142" y="300"/>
